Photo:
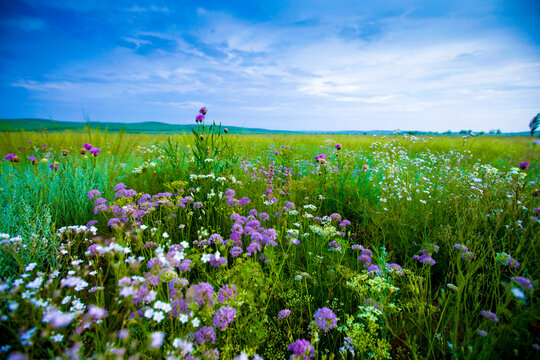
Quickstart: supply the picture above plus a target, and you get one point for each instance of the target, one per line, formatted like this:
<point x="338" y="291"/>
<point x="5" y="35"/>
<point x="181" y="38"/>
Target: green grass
<point x="417" y="192"/>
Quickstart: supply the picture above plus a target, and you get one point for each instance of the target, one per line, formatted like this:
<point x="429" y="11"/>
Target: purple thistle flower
<point x="94" y="151"/>
<point x="202" y="110"/>
<point x="302" y="350"/>
<point x="524" y="165"/>
<point x="325" y="319"/>
<point x="489" y="315"/>
<point x="199" y="118"/>
<point x="223" y="317"/>
<point x="87" y="146"/>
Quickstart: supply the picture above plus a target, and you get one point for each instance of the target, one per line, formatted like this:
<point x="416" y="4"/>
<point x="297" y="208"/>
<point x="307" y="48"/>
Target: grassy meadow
<point x="218" y="245"/>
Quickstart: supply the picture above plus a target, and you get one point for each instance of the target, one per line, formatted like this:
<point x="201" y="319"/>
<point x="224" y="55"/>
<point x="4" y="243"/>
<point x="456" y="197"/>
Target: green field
<point x="210" y="244"/>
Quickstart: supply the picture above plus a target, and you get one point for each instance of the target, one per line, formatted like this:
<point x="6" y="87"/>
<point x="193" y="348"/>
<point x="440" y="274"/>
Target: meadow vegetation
<point x="216" y="245"/>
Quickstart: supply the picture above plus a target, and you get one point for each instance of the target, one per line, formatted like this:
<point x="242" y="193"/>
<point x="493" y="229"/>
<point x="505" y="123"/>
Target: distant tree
<point x="463" y="132"/>
<point x="499" y="132"/>
<point x="481" y="133"/>
<point x="535" y="122"/>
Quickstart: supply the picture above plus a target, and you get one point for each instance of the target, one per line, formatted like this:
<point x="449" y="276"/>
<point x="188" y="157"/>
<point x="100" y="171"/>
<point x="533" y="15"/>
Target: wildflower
<point x="481" y="332"/>
<point x="522" y="281"/>
<point x="64" y="152"/>
<point x="157" y="339"/>
<point x="524" y="165"/>
<point x="58" y="338"/>
<point x="518" y="293"/>
<point x="199" y="118"/>
<point x="489" y="315"/>
<point x="302" y="350"/>
<point x="82" y="151"/>
<point x="54" y="166"/>
<point x="325" y="319"/>
<point x="283" y="314"/>
<point x="87" y="146"/>
<point x="206" y="334"/>
<point x="227" y="292"/>
<point x="365" y="167"/>
<point x="203" y="110"/>
<point x="320" y="159"/>
<point x="338" y="146"/>
<point x="223" y="317"/>
<point x="93" y="193"/>
<point x="225" y="130"/>
<point x="94" y="151"/>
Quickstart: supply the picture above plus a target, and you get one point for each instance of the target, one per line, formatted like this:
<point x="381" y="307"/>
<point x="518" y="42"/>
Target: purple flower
<point x="338" y="146"/>
<point x="481" y="332"/>
<point x="236" y="251"/>
<point x="119" y="187"/>
<point x="32" y="159"/>
<point x="489" y="315"/>
<point x="200" y="293"/>
<point x="227" y="292"/>
<point x="243" y="201"/>
<point x="302" y="350"/>
<point x="283" y="314"/>
<point x="523" y="282"/>
<point x="199" y="118"/>
<point x="87" y="146"/>
<point x="253" y="248"/>
<point x="93" y="193"/>
<point x="325" y="319"/>
<point x="94" y="151"/>
<point x="202" y="110"/>
<point x="206" y="334"/>
<point x="524" y="165"/>
<point x="223" y="317"/>
<point x="54" y="166"/>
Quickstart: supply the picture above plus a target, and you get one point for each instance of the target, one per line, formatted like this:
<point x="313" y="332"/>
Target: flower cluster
<point x="426" y="254"/>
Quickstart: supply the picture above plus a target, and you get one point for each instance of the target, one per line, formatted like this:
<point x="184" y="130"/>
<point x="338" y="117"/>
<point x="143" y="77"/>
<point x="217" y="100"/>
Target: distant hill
<point x="149" y="127"/>
<point x="155" y="127"/>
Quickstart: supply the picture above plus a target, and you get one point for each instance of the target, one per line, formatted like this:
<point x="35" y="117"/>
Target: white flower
<point x="217" y="255"/>
<point x="165" y="235"/>
<point x="183" y="318"/>
<point x="518" y="293"/>
<point x="58" y="338"/>
<point x="143" y="227"/>
<point x="205" y="258"/>
<point x="149" y="313"/>
<point x="195" y="322"/>
<point x="30" y="267"/>
<point x="184" y="244"/>
<point x="158" y="316"/>
<point x="12" y="306"/>
<point x="157" y="339"/>
<point x="35" y="284"/>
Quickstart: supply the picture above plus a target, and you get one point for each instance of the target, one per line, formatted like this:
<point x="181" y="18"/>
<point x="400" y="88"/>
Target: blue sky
<point x="298" y="65"/>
